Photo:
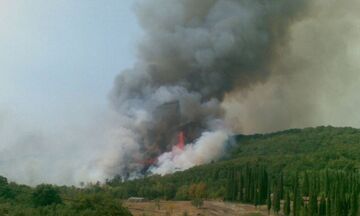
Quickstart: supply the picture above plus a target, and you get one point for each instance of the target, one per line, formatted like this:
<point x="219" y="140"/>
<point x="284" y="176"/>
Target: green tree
<point x="328" y="207"/>
<point x="354" y="203"/>
<point x="306" y="185"/>
<point x="322" y="206"/>
<point x="287" y="204"/>
<point x="46" y="195"/>
<point x="276" y="201"/>
<point x="268" y="201"/>
<point x="297" y="199"/>
<point x="200" y="191"/>
<point x="99" y="204"/>
<point x="313" y="205"/>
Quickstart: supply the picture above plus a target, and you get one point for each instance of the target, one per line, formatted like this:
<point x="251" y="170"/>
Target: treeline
<point x="308" y="193"/>
<point x="314" y="193"/>
<point x="50" y="200"/>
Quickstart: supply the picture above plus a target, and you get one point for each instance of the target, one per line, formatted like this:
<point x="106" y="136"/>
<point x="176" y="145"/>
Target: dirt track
<point x="178" y="208"/>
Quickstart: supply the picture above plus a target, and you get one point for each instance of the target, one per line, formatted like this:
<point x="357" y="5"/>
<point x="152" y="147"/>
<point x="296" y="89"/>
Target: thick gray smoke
<point x="193" y="54"/>
<point x="314" y="82"/>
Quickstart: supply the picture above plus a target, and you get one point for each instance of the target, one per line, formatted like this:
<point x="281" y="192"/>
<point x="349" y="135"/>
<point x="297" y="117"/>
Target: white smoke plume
<point x="209" y="147"/>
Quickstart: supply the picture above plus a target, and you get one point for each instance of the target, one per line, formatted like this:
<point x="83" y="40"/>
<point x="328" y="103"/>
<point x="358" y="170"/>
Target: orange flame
<point x="181" y="141"/>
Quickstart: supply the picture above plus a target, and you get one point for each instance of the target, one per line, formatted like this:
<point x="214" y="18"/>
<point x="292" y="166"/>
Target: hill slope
<point x="287" y="151"/>
<point x="300" y="149"/>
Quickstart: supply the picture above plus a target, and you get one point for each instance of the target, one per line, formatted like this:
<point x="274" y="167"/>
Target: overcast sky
<point x="59" y="58"/>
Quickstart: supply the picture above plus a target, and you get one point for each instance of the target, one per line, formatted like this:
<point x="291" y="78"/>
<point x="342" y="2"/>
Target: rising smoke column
<point x="193" y="54"/>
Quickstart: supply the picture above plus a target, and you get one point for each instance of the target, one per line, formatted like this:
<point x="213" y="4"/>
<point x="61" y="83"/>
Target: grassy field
<point x="181" y="208"/>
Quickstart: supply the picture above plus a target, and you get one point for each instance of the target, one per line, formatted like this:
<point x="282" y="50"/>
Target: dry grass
<point x="180" y="208"/>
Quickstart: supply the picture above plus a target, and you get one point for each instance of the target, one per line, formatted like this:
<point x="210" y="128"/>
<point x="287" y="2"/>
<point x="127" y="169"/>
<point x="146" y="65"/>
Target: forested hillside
<point x="288" y="152"/>
<point x="297" y="166"/>
<point x="300" y="149"/>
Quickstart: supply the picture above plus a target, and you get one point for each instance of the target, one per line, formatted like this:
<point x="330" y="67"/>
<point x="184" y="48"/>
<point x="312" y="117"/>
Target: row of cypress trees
<point x="309" y="193"/>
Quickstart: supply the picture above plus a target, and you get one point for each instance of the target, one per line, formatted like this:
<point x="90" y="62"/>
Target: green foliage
<point x="99" y="204"/>
<point x="268" y="201"/>
<point x="322" y="206"/>
<point x="48" y="200"/>
<point x="287" y="205"/>
<point x="182" y="193"/>
<point x="45" y="195"/>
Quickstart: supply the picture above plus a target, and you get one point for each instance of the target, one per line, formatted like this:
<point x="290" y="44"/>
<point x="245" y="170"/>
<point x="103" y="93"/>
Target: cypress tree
<point x="306" y="185"/>
<point x="247" y="181"/>
<point x="305" y="210"/>
<point x="268" y="200"/>
<point x="276" y="201"/>
<point x="328" y="207"/>
<point x="327" y="183"/>
<point x="313" y="207"/>
<point x="230" y="186"/>
<point x="264" y="185"/>
<point x="287" y="204"/>
<point x="354" y="203"/>
<point x="235" y="186"/>
<point x="281" y="186"/>
<point x="241" y="186"/>
<point x="322" y="206"/>
<point x="297" y="198"/>
<point x="255" y="193"/>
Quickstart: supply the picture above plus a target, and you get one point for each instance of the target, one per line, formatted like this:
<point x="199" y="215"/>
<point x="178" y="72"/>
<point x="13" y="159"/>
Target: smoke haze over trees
<point x="223" y="66"/>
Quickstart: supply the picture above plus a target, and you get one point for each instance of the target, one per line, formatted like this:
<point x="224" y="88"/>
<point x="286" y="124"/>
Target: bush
<point x="197" y="202"/>
<point x="45" y="195"/>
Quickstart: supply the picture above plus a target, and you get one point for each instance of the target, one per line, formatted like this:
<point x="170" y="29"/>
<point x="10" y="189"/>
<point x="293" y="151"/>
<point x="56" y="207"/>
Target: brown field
<point x="178" y="208"/>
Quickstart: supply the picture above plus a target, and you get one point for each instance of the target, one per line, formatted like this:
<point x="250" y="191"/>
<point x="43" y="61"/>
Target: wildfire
<point x="181" y="141"/>
<point x="179" y="146"/>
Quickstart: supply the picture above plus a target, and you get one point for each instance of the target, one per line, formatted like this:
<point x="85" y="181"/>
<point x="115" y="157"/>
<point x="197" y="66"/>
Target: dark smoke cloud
<point x="315" y="80"/>
<point x="192" y="55"/>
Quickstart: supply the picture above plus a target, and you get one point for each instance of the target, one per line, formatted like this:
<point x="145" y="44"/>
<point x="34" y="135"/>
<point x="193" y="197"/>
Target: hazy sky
<point x="59" y="58"/>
